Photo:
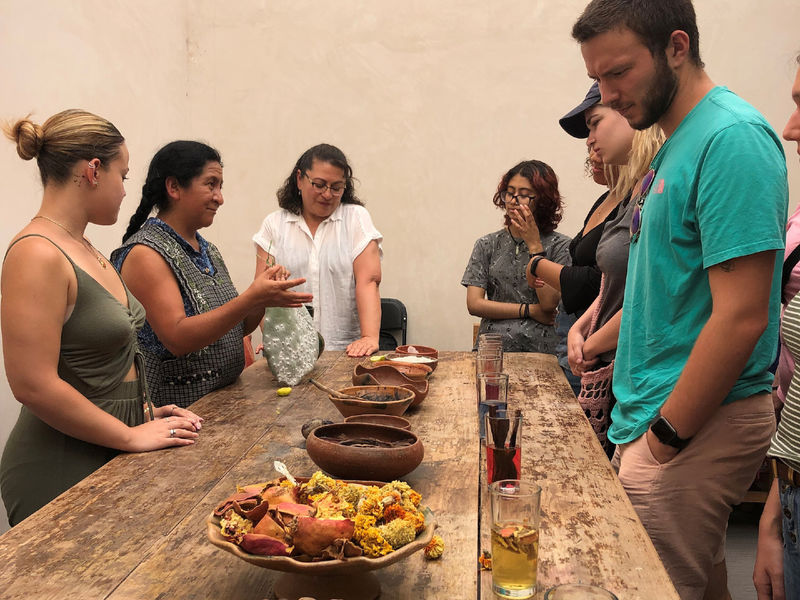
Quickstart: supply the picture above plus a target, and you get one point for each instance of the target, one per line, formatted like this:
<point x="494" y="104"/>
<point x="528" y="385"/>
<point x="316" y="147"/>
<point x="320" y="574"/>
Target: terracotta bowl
<point x="325" y="448"/>
<point x="400" y="399"/>
<point x="412" y="371"/>
<point x="388" y="375"/>
<point x="418" y="350"/>
<point x="387" y="420"/>
<point x="398" y="358"/>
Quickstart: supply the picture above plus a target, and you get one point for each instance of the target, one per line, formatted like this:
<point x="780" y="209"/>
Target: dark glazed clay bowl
<point x="417" y="350"/>
<point x="388" y="375"/>
<point x="398" y="358"/>
<point x="388" y="420"/>
<point x="398" y="400"/>
<point x="414" y="372"/>
<point x="348" y="462"/>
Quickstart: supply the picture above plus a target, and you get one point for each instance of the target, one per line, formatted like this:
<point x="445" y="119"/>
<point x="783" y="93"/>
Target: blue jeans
<point x="790" y="506"/>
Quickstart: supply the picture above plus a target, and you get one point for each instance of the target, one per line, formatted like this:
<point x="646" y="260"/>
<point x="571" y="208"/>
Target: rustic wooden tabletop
<point x="135" y="529"/>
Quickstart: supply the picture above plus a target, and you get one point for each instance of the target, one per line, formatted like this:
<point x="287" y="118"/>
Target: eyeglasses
<point x="639" y="198"/>
<point x="507" y="198"/>
<point x="337" y="189"/>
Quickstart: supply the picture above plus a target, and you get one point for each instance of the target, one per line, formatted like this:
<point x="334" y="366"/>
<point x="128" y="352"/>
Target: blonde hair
<point x="645" y="145"/>
<point x="64" y="139"/>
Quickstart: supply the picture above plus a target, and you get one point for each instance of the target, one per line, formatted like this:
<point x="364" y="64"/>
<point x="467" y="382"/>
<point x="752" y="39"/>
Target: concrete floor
<point x="741" y="550"/>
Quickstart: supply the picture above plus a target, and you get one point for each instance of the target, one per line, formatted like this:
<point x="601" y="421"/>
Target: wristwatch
<point x="666" y="434"/>
<point x="537" y="258"/>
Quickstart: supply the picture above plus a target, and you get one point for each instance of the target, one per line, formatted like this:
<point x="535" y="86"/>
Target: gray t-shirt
<point x="612" y="259"/>
<point x="497" y="265"/>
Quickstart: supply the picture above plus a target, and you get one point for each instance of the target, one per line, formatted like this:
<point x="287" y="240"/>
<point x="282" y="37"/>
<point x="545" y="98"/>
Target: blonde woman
<point x="69" y="324"/>
<point x="592" y="340"/>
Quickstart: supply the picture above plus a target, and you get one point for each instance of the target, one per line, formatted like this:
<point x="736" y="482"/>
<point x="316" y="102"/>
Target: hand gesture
<point x="270" y="290"/>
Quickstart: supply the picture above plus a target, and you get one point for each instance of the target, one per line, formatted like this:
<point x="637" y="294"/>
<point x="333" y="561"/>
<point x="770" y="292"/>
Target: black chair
<point x="394" y="318"/>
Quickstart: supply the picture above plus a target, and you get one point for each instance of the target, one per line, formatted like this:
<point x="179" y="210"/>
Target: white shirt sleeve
<point x="363" y="231"/>
<point x="265" y="236"/>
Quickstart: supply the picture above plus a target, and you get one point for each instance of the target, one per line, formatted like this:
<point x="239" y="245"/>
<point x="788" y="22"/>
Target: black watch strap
<point x="666" y="434"/>
<point x="537" y="258"/>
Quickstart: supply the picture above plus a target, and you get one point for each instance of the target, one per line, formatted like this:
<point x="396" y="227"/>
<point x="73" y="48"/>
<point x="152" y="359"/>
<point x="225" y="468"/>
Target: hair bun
<point x="29" y="138"/>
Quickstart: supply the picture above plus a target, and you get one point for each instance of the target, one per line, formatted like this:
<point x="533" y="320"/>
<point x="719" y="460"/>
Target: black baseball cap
<point x="574" y="123"/>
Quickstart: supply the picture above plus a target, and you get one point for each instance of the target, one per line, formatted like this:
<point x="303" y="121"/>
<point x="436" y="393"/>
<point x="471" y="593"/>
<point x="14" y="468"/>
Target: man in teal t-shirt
<point x="699" y="325"/>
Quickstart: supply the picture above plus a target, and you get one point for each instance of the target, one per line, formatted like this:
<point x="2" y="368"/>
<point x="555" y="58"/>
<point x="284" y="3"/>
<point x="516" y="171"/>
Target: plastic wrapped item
<point x="291" y="344"/>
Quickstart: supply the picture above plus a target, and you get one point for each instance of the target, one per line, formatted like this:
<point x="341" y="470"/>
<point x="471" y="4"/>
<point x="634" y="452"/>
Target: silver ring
<point x="171" y="433"/>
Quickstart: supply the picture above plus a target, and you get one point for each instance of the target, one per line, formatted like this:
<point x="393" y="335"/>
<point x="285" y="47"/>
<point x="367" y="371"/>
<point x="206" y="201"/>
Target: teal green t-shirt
<point x="720" y="192"/>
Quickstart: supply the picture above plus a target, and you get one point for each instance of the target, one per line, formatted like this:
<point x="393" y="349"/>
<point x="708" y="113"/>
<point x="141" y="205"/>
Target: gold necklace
<point x="82" y="239"/>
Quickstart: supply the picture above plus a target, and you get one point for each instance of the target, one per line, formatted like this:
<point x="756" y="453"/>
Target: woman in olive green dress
<point x="69" y="324"/>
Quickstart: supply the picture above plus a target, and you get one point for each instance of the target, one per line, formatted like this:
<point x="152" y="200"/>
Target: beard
<point x="659" y="95"/>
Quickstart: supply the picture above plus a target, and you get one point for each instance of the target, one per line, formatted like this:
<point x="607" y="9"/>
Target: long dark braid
<point x="183" y="160"/>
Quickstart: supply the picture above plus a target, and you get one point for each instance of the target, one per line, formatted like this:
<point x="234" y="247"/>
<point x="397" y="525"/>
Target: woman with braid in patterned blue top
<point x="192" y="341"/>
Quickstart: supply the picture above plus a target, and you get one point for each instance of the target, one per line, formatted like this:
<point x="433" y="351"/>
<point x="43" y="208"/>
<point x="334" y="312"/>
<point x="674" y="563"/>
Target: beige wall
<point x="431" y="102"/>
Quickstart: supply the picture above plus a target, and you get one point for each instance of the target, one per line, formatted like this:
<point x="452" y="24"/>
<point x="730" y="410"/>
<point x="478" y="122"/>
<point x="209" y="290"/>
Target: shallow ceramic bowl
<point x="387" y="420"/>
<point x="401" y="399"/>
<point x="410" y="370"/>
<point x="418" y="350"/>
<point x="388" y="375"/>
<point x="318" y="578"/>
<point x="348" y="462"/>
<point x="406" y="359"/>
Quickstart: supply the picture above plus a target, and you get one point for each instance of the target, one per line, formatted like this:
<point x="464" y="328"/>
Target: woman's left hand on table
<point x="173" y="410"/>
<point x="362" y="347"/>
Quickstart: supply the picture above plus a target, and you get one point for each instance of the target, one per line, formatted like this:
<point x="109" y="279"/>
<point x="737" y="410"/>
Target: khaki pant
<point x="684" y="504"/>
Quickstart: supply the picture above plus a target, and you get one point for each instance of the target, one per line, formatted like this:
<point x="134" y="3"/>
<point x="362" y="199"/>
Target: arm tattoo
<point x="727" y="266"/>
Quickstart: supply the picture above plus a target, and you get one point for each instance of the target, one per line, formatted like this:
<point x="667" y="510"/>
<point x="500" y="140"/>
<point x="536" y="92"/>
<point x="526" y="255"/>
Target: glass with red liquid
<point x="503" y="445"/>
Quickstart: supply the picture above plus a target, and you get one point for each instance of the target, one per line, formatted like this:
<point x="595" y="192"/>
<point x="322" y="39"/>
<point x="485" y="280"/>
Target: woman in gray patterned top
<point x="192" y="340"/>
<point x="497" y="290"/>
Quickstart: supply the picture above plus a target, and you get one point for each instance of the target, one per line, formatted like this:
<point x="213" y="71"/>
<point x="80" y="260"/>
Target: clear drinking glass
<point x="492" y="391"/>
<point x="515" y="537"/>
<point x="503" y="445"/>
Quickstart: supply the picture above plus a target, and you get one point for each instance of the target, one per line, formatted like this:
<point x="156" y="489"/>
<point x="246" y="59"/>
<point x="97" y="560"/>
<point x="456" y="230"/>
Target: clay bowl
<point x="412" y="371"/>
<point x="412" y="359"/>
<point x="388" y="375"/>
<point x="398" y="399"/>
<point x="387" y="420"/>
<point x="327" y="447"/>
<point x="418" y="350"/>
<point x="348" y="578"/>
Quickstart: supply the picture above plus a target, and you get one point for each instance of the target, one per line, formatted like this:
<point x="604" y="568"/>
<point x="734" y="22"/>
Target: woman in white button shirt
<point x="323" y="233"/>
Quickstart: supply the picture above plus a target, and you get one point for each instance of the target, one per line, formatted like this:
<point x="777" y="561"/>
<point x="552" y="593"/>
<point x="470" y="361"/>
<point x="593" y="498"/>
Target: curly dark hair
<point x="548" y="207"/>
<point x="289" y="194"/>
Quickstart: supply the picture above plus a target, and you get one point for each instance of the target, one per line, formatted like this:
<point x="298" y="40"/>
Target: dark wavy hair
<point x="548" y="207"/>
<point x="183" y="160"/>
<point x="289" y="194"/>
<point x="653" y="21"/>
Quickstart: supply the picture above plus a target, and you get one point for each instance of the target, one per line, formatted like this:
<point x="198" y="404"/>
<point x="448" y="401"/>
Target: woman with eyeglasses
<point x="495" y="275"/>
<point x="192" y="341"/>
<point x="323" y="233"/>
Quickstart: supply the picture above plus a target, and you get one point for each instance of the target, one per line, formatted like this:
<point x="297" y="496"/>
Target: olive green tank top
<point x="98" y="340"/>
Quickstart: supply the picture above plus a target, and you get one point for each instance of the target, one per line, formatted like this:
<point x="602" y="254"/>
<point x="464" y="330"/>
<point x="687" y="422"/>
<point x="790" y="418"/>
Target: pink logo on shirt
<point x="660" y="187"/>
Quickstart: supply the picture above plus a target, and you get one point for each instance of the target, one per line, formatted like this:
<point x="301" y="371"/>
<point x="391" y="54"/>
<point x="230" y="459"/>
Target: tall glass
<point x="492" y="392"/>
<point x="503" y="445"/>
<point x="515" y="537"/>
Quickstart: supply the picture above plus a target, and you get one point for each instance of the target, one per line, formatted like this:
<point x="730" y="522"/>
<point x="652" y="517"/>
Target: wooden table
<point x="135" y="529"/>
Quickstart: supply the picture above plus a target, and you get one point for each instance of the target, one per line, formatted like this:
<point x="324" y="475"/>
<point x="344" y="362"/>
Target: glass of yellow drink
<point x="515" y="537"/>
